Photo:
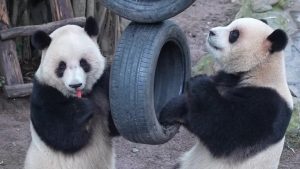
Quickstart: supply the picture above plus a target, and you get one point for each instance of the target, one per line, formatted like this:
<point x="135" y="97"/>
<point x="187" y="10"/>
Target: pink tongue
<point x="79" y="93"/>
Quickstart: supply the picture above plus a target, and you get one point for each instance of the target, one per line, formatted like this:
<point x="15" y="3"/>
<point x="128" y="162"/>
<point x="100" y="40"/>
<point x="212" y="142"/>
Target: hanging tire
<point x="147" y="11"/>
<point x="150" y="67"/>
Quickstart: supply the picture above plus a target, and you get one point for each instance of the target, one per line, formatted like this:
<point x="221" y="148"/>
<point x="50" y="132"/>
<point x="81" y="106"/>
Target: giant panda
<point x="71" y="125"/>
<point x="240" y="114"/>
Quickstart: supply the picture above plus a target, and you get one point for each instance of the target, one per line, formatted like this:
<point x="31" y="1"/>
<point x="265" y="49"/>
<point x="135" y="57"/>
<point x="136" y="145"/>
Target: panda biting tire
<point x="240" y="114"/>
<point x="71" y="125"/>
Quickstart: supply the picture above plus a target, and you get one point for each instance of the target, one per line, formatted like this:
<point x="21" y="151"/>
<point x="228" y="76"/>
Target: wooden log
<point x="79" y="7"/>
<point x="48" y="28"/>
<point x="15" y="11"/>
<point x="101" y="17"/>
<point x="26" y="51"/>
<point x="3" y="14"/>
<point x="90" y="8"/>
<point x="9" y="63"/>
<point x="61" y="9"/>
<point x="18" y="90"/>
<point x="109" y="30"/>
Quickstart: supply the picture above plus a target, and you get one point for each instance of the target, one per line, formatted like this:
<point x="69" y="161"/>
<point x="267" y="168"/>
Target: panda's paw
<point x="201" y="85"/>
<point x="85" y="106"/>
<point x="173" y="112"/>
<point x="168" y="118"/>
<point x="84" y="111"/>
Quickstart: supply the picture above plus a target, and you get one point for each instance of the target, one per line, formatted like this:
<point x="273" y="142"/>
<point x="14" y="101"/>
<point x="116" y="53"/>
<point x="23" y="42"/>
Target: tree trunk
<point x="109" y="30"/>
<point x="14" y="15"/>
<point x="79" y="7"/>
<point x="61" y="9"/>
<point x="9" y="63"/>
<point x="3" y="15"/>
<point x="26" y="51"/>
<point x="90" y="8"/>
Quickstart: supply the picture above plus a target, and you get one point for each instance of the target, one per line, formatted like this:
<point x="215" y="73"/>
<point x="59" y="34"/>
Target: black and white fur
<point x="69" y="132"/>
<point x="241" y="113"/>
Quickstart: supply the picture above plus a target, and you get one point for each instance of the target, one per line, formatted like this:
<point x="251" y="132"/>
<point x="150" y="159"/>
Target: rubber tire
<point x="150" y="67"/>
<point x="147" y="11"/>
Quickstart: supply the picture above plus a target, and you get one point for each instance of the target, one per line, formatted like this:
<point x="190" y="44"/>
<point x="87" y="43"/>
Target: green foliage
<point x="282" y="4"/>
<point x="293" y="131"/>
<point x="245" y="10"/>
<point x="276" y="17"/>
<point x="204" y="66"/>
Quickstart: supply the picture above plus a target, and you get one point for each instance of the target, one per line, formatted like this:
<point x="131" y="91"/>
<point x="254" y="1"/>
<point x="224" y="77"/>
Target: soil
<point x="195" y="21"/>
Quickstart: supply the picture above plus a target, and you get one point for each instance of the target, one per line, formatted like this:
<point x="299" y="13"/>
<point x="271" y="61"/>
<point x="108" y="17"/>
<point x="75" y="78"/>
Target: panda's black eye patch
<point x="61" y="69"/>
<point x="85" y="65"/>
<point x="234" y="35"/>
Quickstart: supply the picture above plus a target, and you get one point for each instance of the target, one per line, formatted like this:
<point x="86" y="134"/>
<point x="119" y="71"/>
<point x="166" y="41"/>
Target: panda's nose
<point x="75" y="86"/>
<point x="212" y="33"/>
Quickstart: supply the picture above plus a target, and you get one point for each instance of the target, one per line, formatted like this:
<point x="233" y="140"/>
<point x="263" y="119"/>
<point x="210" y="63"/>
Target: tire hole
<point x="169" y="75"/>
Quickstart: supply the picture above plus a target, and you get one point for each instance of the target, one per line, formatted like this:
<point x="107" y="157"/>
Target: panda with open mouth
<point x="71" y="125"/>
<point x="241" y="113"/>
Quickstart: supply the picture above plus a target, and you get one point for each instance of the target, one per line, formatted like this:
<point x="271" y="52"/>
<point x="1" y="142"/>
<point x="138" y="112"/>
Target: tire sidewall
<point x="153" y="132"/>
<point x="147" y="12"/>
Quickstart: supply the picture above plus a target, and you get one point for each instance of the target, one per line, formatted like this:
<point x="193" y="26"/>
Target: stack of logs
<point x="63" y="12"/>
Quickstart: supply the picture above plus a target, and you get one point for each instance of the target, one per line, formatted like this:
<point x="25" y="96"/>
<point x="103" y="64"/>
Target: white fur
<point x="71" y="43"/>
<point x="250" y="53"/>
<point x="250" y="50"/>
<point x="98" y="154"/>
<point x="200" y="158"/>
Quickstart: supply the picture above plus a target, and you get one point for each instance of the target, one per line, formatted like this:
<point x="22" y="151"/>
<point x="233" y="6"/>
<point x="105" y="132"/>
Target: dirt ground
<point x="195" y="21"/>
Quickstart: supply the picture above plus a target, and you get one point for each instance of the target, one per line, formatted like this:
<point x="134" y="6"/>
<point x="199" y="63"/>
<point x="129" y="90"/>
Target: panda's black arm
<point x="103" y="85"/>
<point x="59" y="121"/>
<point x="174" y="111"/>
<point x="240" y="118"/>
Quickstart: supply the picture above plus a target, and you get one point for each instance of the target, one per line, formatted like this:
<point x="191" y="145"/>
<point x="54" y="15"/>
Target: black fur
<point x="59" y="71"/>
<point x="242" y="118"/>
<point x="61" y="122"/>
<point x="177" y="166"/>
<point x="175" y="111"/>
<point x="234" y="35"/>
<point x="279" y="40"/>
<point x="85" y="65"/>
<point x="40" y="40"/>
<point x="103" y="86"/>
<point x="91" y="26"/>
<point x="228" y="80"/>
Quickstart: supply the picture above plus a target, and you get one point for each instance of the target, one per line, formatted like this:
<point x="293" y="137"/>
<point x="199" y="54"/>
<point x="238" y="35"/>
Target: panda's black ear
<point x="278" y="39"/>
<point x="91" y="26"/>
<point x="40" y="40"/>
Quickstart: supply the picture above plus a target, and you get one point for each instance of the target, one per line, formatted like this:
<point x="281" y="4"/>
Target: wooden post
<point x="110" y="31"/>
<point x="9" y="63"/>
<point x="61" y="9"/>
<point x="79" y="7"/>
<point x="18" y="90"/>
<point x="26" y="51"/>
<point x="90" y="8"/>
